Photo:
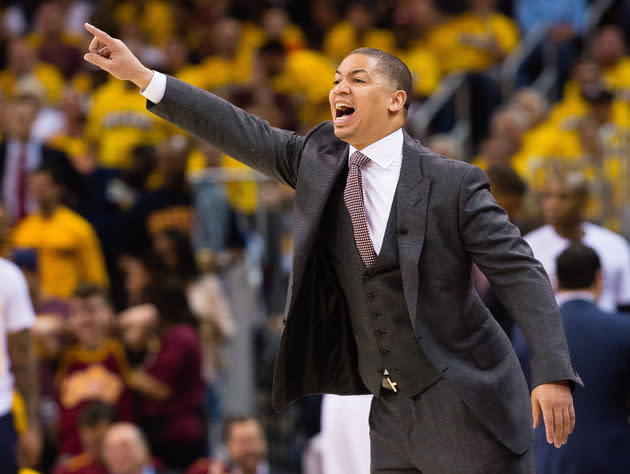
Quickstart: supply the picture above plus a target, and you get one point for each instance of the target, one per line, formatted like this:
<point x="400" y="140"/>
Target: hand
<point x="29" y="447"/>
<point x="113" y="56"/>
<point x="555" y="402"/>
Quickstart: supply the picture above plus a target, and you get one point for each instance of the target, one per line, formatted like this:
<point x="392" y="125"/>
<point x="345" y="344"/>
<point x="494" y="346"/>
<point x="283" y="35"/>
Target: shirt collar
<point x="563" y="297"/>
<point x="384" y="151"/>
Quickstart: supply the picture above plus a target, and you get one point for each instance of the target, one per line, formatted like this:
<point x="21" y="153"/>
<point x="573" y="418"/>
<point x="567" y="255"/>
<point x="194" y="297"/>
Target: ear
<point x="397" y="101"/>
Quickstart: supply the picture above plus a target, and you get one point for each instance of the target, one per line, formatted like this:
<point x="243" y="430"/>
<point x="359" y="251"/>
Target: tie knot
<point x="359" y="159"/>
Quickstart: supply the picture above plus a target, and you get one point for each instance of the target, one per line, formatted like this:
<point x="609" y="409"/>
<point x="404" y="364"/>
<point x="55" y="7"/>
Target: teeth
<point x="340" y="106"/>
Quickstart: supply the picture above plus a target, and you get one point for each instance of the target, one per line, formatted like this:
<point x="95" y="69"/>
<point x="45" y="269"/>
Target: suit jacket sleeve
<point x="520" y="280"/>
<point x="243" y="136"/>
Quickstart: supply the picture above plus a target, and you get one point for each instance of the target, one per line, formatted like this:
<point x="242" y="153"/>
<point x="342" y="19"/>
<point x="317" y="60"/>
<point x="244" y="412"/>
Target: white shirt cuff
<point x="156" y="88"/>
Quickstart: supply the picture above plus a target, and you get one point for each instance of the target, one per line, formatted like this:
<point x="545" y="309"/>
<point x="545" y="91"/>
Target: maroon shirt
<point x="177" y="365"/>
<point x="84" y="376"/>
<point x="81" y="464"/>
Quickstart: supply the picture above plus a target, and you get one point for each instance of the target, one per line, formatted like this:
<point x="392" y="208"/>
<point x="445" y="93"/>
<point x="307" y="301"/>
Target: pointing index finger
<point x="100" y="34"/>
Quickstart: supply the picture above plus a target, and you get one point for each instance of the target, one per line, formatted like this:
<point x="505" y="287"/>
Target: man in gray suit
<point x="381" y="298"/>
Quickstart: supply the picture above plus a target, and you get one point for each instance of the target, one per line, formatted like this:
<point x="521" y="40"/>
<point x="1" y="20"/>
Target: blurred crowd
<point x="157" y="265"/>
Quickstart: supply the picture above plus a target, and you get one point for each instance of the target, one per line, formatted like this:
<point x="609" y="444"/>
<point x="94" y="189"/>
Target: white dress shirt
<point x="379" y="179"/>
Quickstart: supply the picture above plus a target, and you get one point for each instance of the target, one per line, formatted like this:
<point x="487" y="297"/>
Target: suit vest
<point x="376" y="303"/>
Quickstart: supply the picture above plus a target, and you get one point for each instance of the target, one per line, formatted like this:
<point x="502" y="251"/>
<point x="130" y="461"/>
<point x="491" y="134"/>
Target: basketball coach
<point x="380" y="297"/>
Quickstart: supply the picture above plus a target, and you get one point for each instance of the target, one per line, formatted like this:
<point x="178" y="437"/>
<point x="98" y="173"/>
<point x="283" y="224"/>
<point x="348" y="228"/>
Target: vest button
<point x="376" y="315"/>
<point x="384" y="352"/>
<point x="379" y="333"/>
<point x="367" y="277"/>
<point x="370" y="295"/>
<point x="403" y="231"/>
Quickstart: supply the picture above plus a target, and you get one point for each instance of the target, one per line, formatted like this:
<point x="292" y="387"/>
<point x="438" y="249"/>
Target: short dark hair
<point x="504" y="179"/>
<point x="86" y="290"/>
<point x="95" y="412"/>
<point x="392" y="68"/>
<point x="577" y="267"/>
<point x="273" y="47"/>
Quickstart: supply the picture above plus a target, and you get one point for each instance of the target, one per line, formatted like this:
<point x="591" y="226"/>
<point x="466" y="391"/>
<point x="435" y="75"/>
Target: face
<point x="19" y="120"/>
<point x="246" y="445"/>
<point x="92" y="438"/>
<point x="123" y="451"/>
<point x="561" y="205"/>
<point x="363" y="103"/>
<point x="137" y="277"/>
<point x="165" y="249"/>
<point x="90" y="319"/>
<point x="43" y="189"/>
<point x="609" y="47"/>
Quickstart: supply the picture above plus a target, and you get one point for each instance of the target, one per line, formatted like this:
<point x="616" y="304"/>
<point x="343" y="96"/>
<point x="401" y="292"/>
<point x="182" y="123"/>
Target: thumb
<point x="97" y="60"/>
<point x="536" y="412"/>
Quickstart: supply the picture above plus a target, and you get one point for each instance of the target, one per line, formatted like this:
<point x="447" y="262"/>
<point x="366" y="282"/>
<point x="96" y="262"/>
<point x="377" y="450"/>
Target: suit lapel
<point x="318" y="177"/>
<point x="413" y="198"/>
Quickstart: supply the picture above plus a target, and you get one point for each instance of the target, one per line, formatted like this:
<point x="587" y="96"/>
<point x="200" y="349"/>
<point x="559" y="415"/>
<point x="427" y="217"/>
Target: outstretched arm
<point x="247" y="138"/>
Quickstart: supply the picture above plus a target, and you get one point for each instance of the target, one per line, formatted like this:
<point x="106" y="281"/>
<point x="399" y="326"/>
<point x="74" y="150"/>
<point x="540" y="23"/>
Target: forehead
<point x="358" y="62"/>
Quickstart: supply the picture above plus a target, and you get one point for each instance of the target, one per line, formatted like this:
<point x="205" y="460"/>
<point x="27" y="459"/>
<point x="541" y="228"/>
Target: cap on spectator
<point x="597" y="95"/>
<point x="25" y="258"/>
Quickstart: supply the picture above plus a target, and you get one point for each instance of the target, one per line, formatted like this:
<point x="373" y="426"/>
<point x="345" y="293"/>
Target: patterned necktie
<point x="353" y="197"/>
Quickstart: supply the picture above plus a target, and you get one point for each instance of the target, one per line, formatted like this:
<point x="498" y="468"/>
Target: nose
<point x="341" y="87"/>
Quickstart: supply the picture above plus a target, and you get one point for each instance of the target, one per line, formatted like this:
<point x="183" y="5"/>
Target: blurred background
<point x="158" y="266"/>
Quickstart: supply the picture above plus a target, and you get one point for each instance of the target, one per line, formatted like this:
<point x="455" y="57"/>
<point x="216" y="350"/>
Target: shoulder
<point x="9" y="272"/>
<point x="601" y="235"/>
<point x="181" y="333"/>
<point x="542" y="233"/>
<point x="76" y="463"/>
<point x="75" y="220"/>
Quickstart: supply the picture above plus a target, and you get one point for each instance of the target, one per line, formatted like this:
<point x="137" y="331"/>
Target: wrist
<point x="143" y="79"/>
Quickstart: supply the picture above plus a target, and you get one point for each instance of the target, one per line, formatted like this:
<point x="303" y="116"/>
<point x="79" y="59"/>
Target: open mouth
<point x="343" y="112"/>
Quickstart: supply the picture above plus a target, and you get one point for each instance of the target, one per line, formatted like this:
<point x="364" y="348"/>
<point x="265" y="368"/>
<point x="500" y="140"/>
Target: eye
<point x="336" y="81"/>
<point x="359" y="80"/>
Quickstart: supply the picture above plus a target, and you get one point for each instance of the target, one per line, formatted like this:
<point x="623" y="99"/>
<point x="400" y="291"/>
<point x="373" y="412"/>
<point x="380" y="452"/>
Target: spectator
<point x="246" y="450"/>
<point x="18" y="371"/>
<point x="567" y="21"/>
<point x="68" y="250"/>
<point x="22" y="66"/>
<point x="170" y="206"/>
<point x="599" y="346"/>
<point x="564" y="204"/>
<point x="170" y="382"/>
<point x="53" y="44"/>
<point x="126" y="451"/>
<point x="357" y="29"/>
<point x="610" y="52"/>
<point x="509" y="190"/>
<point x="205" y="294"/>
<point x="474" y="41"/>
<point x="21" y="153"/>
<point x="94" y="421"/>
<point x="117" y="122"/>
<point x="93" y="369"/>
<point x="139" y="270"/>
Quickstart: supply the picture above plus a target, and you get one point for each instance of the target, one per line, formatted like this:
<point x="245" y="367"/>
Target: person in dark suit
<point x="20" y="154"/>
<point x="599" y="343"/>
<point x="381" y="297"/>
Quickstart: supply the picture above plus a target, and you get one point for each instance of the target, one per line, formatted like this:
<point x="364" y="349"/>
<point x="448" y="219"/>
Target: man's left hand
<point x="555" y="402"/>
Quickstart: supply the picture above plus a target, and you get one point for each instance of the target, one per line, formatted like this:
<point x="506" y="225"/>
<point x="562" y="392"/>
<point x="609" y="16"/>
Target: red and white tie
<point x="353" y="197"/>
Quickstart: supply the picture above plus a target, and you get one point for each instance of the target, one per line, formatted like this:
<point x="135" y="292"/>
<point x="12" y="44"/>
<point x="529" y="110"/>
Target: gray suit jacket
<point x="447" y="220"/>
